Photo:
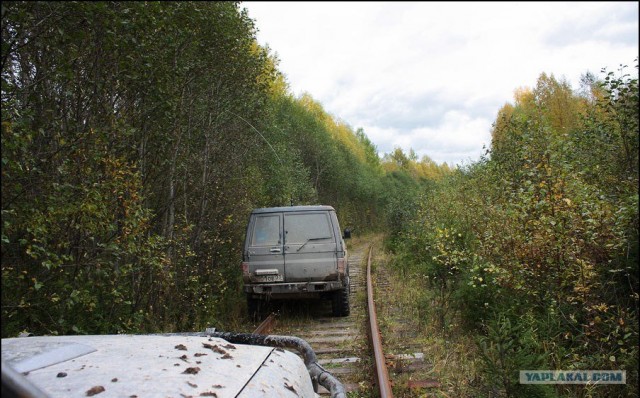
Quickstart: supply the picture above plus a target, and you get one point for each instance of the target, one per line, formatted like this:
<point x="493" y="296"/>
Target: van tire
<point x="340" y="302"/>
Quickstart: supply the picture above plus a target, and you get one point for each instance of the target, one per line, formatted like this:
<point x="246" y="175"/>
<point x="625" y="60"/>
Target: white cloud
<point x="431" y="76"/>
<point x="457" y="136"/>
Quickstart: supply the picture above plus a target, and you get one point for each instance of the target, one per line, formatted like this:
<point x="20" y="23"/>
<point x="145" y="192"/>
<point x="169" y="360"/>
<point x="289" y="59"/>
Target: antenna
<point x="265" y="140"/>
<point x="259" y="133"/>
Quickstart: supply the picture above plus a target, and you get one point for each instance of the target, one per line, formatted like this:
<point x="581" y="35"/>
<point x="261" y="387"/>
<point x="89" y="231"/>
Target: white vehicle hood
<point x="155" y="366"/>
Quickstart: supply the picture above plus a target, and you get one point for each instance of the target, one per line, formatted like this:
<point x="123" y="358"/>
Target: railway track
<point x="352" y="348"/>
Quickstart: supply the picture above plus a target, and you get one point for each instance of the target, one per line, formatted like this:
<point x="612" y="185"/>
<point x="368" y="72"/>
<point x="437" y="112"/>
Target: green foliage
<point x="542" y="236"/>
<point x="86" y="228"/>
<point x="120" y="154"/>
<point x="399" y="198"/>
<point x="136" y="138"/>
<point x="505" y="349"/>
<point x="404" y="181"/>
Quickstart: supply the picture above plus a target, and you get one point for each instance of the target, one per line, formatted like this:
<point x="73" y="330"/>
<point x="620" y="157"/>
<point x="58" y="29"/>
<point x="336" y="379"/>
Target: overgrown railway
<point x="352" y="348"/>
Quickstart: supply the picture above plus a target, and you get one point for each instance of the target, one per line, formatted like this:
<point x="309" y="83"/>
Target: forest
<point x="137" y="137"/>
<point x="536" y="245"/>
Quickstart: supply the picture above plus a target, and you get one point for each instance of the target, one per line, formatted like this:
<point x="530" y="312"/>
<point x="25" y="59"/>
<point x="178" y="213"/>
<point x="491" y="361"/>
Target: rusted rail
<point x="267" y="325"/>
<point x="382" y="374"/>
<point x="344" y="358"/>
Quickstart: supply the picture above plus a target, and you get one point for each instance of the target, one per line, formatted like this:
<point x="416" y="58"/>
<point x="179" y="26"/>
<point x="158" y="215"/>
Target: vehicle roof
<point x="154" y="365"/>
<point x="293" y="209"/>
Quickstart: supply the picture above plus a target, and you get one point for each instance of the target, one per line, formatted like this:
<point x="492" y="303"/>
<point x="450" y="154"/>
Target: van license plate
<point x="269" y="278"/>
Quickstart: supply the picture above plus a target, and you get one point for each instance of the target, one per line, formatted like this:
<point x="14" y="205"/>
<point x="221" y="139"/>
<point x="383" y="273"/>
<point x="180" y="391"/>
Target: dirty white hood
<point x="155" y="366"/>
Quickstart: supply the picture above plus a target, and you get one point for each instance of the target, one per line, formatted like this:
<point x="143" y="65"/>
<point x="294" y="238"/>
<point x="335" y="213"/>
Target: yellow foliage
<point x="337" y="129"/>
<point x="498" y="132"/>
<point x="523" y="96"/>
<point x="270" y="76"/>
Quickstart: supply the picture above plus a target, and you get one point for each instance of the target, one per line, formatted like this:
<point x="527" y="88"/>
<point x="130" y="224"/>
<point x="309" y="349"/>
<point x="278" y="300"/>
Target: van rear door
<point x="265" y="250"/>
<point x="310" y="247"/>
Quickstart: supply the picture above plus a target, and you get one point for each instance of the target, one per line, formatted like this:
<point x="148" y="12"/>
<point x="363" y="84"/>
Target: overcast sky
<point x="431" y="76"/>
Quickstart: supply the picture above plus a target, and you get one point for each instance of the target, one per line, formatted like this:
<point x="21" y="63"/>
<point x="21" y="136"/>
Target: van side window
<point x="302" y="227"/>
<point x="266" y="231"/>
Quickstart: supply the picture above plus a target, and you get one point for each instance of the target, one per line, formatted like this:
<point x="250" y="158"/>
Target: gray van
<point x="296" y="252"/>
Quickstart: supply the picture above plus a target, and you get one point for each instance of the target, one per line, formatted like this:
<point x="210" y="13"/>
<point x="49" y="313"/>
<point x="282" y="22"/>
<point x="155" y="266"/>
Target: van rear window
<point x="302" y="227"/>
<point x="266" y="231"/>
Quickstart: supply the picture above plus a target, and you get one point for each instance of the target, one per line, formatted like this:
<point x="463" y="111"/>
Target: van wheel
<point x="253" y="308"/>
<point x="340" y="302"/>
